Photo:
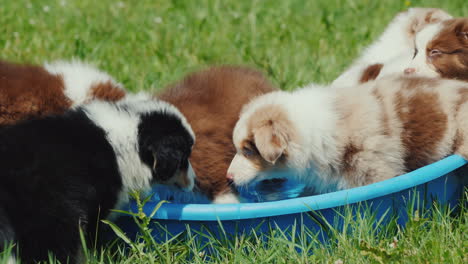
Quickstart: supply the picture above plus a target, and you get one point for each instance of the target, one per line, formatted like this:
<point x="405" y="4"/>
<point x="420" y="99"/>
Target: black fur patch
<point x="163" y="136"/>
<point x="60" y="173"/>
<point x="55" y="174"/>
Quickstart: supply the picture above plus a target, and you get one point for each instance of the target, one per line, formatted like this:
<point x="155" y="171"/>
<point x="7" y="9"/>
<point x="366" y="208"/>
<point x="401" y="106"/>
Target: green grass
<point x="147" y="44"/>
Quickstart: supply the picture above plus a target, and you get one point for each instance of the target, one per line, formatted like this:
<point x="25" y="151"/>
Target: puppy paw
<point x="226" y="198"/>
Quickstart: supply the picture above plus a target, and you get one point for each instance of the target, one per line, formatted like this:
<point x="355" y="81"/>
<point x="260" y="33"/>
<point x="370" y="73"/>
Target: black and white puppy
<point x="62" y="173"/>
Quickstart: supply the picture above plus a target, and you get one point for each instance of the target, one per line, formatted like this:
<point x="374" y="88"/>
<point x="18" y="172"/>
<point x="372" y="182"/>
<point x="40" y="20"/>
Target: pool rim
<point x="225" y="212"/>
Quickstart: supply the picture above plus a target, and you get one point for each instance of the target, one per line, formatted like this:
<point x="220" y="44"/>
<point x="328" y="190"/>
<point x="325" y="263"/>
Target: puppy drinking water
<point x="331" y="138"/>
<point x="62" y="173"/>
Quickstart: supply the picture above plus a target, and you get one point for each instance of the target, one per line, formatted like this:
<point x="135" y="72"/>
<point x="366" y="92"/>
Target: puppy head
<point x="151" y="140"/>
<point x="165" y="143"/>
<point x="264" y="139"/>
<point x="442" y="50"/>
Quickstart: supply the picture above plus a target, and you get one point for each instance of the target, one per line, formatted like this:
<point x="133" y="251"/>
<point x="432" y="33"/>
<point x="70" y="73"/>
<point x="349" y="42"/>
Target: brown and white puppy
<point x="441" y="50"/>
<point x="211" y="101"/>
<point x="392" y="52"/>
<point x="34" y="91"/>
<point x="332" y="138"/>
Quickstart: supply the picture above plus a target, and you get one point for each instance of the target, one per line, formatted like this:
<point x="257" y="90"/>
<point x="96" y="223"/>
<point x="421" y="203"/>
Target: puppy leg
<point x="378" y="159"/>
<point x="368" y="169"/>
<point x="58" y="235"/>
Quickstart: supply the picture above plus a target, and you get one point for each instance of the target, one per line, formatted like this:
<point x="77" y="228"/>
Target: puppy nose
<point x="409" y="70"/>
<point x="230" y="176"/>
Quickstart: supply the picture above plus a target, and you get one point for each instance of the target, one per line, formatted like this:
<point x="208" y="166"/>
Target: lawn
<point x="147" y="44"/>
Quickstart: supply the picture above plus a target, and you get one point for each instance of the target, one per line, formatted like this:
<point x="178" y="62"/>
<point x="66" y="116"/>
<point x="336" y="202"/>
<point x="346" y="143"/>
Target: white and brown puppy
<point x="64" y="172"/>
<point x="28" y="91"/>
<point x="332" y="138"/>
<point x="441" y="50"/>
<point x="392" y="52"/>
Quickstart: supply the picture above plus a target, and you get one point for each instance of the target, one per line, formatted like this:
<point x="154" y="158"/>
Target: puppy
<point x="332" y="138"/>
<point x="65" y="172"/>
<point x="28" y="91"/>
<point x="441" y="50"/>
<point x="211" y="101"/>
<point x="394" y="49"/>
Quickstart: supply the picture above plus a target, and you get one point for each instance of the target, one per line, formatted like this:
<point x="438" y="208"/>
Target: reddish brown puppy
<point x="31" y="91"/>
<point x="211" y="101"/>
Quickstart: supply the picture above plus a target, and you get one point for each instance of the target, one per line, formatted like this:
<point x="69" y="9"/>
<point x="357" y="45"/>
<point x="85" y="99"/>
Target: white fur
<point x="420" y="63"/>
<point x="78" y="78"/>
<point x="351" y="137"/>
<point x="311" y="112"/>
<point x="243" y="169"/>
<point x="227" y="198"/>
<point x="122" y="132"/>
<point x="394" y="48"/>
<point x="191" y="176"/>
<point x="120" y="121"/>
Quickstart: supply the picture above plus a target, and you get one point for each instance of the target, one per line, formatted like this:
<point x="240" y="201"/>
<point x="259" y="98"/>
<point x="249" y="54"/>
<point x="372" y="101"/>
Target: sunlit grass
<point x="147" y="44"/>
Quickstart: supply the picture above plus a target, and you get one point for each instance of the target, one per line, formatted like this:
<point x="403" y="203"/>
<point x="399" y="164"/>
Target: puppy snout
<point x="185" y="179"/>
<point x="409" y="70"/>
<point x="230" y="176"/>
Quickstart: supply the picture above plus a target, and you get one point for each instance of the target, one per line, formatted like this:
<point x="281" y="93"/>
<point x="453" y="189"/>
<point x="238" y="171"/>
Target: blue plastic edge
<point x="222" y="212"/>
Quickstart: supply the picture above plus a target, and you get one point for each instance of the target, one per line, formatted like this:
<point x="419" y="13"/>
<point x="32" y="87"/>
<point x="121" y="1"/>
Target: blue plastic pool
<point x="438" y="181"/>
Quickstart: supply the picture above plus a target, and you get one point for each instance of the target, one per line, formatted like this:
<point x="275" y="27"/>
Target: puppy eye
<point x="247" y="152"/>
<point x="434" y="52"/>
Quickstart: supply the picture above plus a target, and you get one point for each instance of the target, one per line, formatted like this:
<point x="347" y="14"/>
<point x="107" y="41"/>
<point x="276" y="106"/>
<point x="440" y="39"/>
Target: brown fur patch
<point x="108" y="91"/>
<point x="452" y="41"/>
<point x="28" y="91"/>
<point x="371" y="72"/>
<point x="211" y="101"/>
<point x="255" y="158"/>
<point x="433" y="15"/>
<point x="423" y="127"/>
<point x="416" y="83"/>
<point x="271" y="131"/>
<point x="349" y="152"/>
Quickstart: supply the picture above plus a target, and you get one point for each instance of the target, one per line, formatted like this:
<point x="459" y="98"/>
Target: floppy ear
<point x="462" y="30"/>
<point x="271" y="142"/>
<point x="165" y="162"/>
<point x="463" y="35"/>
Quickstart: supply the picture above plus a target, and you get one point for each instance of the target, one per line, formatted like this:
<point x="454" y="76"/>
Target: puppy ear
<point x="461" y="30"/>
<point x="463" y="35"/>
<point x="165" y="162"/>
<point x="271" y="142"/>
